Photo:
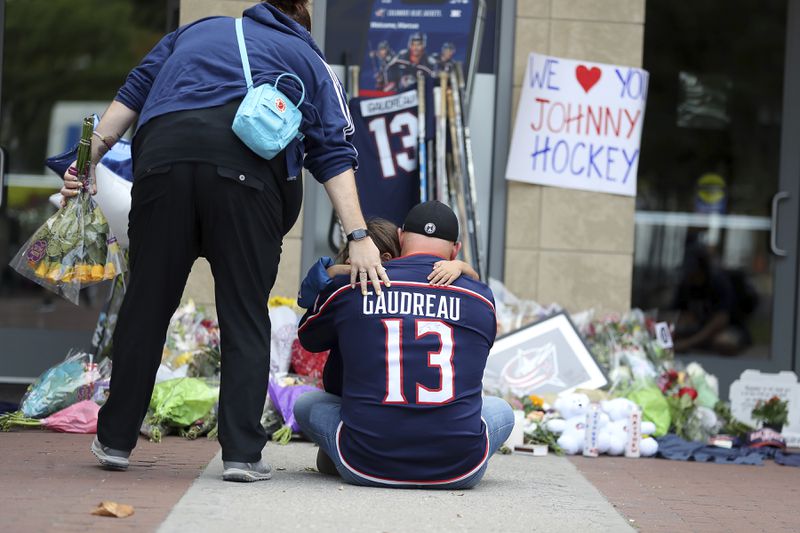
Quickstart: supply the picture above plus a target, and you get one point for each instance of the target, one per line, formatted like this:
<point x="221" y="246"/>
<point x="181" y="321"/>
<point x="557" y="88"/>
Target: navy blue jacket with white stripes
<point x="413" y="363"/>
<point x="198" y="66"/>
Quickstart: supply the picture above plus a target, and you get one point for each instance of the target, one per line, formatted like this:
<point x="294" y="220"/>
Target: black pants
<point x="180" y="212"/>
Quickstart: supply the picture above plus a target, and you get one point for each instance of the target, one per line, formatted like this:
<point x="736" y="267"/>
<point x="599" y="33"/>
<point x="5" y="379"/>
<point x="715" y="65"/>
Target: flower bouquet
<point x="74" y="248"/>
<point x="75" y="379"/>
<point x="283" y="393"/>
<point x="692" y="402"/>
<point x="193" y="342"/>
<point x="178" y="405"/>
<point x="627" y="348"/>
<point x="538" y="435"/>
<point x="80" y="417"/>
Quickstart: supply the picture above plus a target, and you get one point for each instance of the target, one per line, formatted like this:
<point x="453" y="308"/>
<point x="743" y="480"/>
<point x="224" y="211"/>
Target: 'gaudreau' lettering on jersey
<point x="396" y="302"/>
<point x="388" y="104"/>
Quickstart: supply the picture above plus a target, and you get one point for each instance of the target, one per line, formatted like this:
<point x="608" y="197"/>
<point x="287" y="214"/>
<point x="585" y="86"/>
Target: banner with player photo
<point x="406" y="36"/>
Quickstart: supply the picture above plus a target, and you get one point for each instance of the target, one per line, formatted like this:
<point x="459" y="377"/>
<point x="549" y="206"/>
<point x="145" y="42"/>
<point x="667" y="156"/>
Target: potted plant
<point x="772" y="413"/>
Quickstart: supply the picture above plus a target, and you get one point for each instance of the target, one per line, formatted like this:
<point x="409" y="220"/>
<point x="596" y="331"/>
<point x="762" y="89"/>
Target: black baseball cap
<point x="432" y="219"/>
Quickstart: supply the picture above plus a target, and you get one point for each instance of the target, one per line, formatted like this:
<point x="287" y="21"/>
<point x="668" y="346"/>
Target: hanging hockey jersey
<point x="413" y="361"/>
<point x="386" y="140"/>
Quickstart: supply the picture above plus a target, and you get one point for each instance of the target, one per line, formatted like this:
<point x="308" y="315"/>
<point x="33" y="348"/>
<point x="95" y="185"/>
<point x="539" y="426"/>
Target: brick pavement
<point x="669" y="496"/>
<point x="51" y="482"/>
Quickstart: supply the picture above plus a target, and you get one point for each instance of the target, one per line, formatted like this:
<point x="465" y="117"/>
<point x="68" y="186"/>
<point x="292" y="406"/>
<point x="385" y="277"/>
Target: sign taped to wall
<point x="579" y="125"/>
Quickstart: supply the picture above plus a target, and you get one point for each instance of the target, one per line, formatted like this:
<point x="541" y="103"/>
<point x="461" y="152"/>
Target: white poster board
<point x="579" y="125"/>
<point x="546" y="357"/>
<point x="754" y="385"/>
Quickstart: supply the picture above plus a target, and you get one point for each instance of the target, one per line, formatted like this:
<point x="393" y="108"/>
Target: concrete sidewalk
<point x="517" y="494"/>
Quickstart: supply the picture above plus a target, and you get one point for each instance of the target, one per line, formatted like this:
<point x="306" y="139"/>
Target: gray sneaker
<point x="110" y="458"/>
<point x="246" y="472"/>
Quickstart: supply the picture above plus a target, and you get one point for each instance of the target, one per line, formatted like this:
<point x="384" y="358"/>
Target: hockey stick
<point x="422" y="154"/>
<point x="431" y="149"/>
<point x="472" y="203"/>
<point x="442" y="192"/>
<point x="353" y="72"/>
<point x="457" y="185"/>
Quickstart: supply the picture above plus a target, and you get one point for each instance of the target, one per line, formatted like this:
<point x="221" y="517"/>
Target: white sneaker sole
<point x="108" y="461"/>
<point x="244" y="476"/>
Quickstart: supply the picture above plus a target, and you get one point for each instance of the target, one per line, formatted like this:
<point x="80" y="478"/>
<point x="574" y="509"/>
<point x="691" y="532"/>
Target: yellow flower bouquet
<point x="74" y="248"/>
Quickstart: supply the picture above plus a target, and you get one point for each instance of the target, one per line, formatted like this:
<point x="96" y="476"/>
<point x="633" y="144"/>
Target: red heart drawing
<point x="587" y="77"/>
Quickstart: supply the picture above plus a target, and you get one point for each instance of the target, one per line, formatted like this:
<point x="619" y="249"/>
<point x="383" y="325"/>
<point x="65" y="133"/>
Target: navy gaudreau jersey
<point x="385" y="136"/>
<point x="413" y="364"/>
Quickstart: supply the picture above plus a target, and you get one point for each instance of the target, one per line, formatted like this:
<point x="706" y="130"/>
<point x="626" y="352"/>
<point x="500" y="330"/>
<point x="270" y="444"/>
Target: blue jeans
<point x="319" y="414"/>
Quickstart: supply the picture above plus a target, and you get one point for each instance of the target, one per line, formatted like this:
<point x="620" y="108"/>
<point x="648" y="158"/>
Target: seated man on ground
<point x="411" y="412"/>
<point x="385" y="236"/>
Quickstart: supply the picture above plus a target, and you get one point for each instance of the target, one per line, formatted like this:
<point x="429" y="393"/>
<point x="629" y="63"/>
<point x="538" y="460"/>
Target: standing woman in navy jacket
<point x="199" y="191"/>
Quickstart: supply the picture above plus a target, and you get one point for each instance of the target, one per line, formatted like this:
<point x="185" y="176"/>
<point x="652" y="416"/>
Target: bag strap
<point x="296" y="78"/>
<point x="243" y="53"/>
<point x="246" y="64"/>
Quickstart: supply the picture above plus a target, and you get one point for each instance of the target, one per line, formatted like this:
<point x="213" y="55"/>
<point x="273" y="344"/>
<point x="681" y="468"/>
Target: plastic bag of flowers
<point x="77" y="418"/>
<point x="181" y="402"/>
<point x="192" y="345"/>
<point x="178" y="403"/>
<point x="74" y="248"/>
<point x="514" y="313"/>
<point x="627" y="348"/>
<point x="75" y="379"/>
<point x="283" y="393"/>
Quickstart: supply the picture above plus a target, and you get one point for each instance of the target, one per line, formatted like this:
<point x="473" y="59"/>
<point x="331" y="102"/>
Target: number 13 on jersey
<point x="401" y="128"/>
<point x="442" y="360"/>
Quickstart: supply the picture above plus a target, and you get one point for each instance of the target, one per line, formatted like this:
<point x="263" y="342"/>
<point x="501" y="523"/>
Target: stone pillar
<point x="572" y="247"/>
<point x="200" y="286"/>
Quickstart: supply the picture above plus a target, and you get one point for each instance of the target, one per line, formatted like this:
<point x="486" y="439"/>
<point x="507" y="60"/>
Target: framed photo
<point x="546" y="357"/>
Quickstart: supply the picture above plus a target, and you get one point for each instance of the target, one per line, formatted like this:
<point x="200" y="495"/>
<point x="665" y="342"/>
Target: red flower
<point x="667" y="380"/>
<point x="688" y="390"/>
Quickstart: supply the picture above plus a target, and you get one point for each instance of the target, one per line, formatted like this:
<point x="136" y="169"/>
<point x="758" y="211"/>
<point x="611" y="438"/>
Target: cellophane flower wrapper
<point x="305" y="363"/>
<point x="80" y="417"/>
<point x="283" y="398"/>
<point x="192" y="346"/>
<point x="73" y="249"/>
<point x="627" y="348"/>
<point x="77" y="418"/>
<point x="181" y="402"/>
<point x="71" y="381"/>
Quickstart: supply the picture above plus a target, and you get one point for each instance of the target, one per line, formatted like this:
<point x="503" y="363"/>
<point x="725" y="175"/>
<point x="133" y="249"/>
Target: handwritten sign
<point x="578" y="125"/>
<point x="754" y="385"/>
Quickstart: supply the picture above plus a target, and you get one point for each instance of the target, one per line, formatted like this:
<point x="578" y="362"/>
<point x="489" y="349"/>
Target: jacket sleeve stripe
<point x="350" y="128"/>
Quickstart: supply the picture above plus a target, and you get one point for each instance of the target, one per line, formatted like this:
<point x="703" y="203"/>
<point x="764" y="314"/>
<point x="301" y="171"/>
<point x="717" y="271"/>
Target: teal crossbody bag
<point x="267" y="120"/>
